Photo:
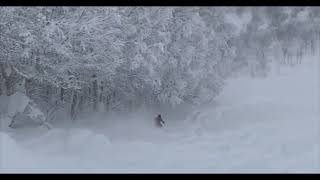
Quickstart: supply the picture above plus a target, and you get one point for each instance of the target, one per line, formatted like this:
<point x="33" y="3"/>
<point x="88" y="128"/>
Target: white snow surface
<point x="262" y="125"/>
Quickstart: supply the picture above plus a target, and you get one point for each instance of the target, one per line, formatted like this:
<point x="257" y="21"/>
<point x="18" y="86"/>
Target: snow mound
<point x="87" y="141"/>
<point x="17" y="103"/>
<point x="72" y="140"/>
<point x="10" y="143"/>
<point x="10" y="106"/>
<point x="11" y="153"/>
<point x="20" y="108"/>
<point x="4" y="123"/>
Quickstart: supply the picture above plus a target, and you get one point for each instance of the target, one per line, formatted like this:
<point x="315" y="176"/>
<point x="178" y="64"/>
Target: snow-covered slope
<point x="257" y="125"/>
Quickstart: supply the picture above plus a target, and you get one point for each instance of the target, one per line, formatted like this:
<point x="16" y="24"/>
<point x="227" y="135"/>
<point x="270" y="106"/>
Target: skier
<point x="159" y="121"/>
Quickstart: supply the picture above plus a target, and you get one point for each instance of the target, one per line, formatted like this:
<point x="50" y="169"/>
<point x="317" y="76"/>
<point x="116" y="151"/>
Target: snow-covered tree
<point x="90" y="59"/>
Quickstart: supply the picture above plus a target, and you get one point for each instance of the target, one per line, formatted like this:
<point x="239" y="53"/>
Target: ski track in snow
<point x="259" y="125"/>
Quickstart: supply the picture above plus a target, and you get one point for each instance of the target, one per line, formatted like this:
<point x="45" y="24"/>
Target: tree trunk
<point x="101" y="94"/>
<point x="10" y="82"/>
<point x="95" y="94"/>
<point x="27" y="86"/>
<point x="284" y="56"/>
<point x="61" y="94"/>
<point x="107" y="103"/>
<point x="1" y="85"/>
<point x="3" y="79"/>
<point x="312" y="47"/>
<point x="48" y="93"/>
<point x="73" y="105"/>
<point x="80" y="104"/>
